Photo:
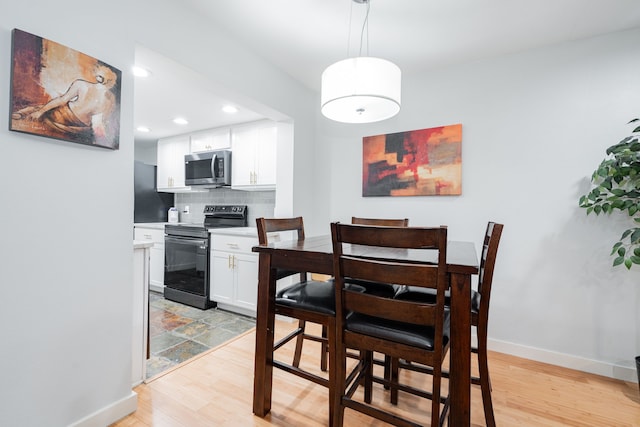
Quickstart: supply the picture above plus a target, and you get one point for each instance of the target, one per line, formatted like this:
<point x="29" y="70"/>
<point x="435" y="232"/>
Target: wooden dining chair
<point x="298" y="300"/>
<point x="479" y="319"/>
<point x="408" y="330"/>
<point x="307" y="301"/>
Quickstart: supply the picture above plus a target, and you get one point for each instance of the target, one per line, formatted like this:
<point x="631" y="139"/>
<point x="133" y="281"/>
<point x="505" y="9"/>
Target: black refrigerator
<point x="149" y="205"/>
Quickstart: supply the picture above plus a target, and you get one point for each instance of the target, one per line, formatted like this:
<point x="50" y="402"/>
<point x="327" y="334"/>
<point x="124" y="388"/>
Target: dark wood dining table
<point x="315" y="255"/>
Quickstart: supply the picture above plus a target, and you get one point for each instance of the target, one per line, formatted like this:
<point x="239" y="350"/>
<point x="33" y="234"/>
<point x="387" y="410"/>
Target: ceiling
<point x="303" y="37"/>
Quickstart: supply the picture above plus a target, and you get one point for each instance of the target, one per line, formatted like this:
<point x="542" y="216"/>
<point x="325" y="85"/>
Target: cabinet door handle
<point x="229" y="262"/>
<point x="233" y="245"/>
<point x="234" y="261"/>
<point x="147" y="236"/>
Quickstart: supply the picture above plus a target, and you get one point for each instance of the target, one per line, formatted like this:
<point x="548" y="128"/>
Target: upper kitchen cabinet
<point x="214" y="139"/>
<point x="254" y="156"/>
<point x="171" y="152"/>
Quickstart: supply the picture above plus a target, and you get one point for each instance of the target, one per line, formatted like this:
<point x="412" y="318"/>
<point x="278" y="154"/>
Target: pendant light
<point x="361" y="89"/>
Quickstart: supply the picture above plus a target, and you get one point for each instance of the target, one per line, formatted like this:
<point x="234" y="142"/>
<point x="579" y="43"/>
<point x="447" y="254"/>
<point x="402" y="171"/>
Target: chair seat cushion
<point x="415" y="293"/>
<point x="403" y="333"/>
<point x="312" y="295"/>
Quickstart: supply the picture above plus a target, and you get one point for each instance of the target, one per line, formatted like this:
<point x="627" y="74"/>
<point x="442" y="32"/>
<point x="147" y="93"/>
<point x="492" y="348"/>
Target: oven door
<point x="185" y="265"/>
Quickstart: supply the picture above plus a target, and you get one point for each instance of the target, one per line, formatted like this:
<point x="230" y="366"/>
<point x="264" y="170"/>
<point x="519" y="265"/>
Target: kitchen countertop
<point x="141" y="244"/>
<point x="156" y="225"/>
<point x="236" y="231"/>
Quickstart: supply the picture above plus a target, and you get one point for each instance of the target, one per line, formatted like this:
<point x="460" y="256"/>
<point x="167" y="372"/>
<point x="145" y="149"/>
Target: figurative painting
<point x="426" y="162"/>
<point x="60" y="93"/>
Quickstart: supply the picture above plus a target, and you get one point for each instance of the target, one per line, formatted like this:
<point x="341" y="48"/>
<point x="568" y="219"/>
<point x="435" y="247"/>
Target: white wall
<point x="535" y="125"/>
<point x="66" y="267"/>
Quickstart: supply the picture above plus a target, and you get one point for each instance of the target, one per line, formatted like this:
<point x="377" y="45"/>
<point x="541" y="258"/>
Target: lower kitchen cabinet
<point x="234" y="273"/>
<point x="156" y="267"/>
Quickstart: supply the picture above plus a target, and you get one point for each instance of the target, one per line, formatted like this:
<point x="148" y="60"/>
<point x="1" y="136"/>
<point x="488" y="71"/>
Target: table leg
<point x="460" y="352"/>
<point x="265" y="318"/>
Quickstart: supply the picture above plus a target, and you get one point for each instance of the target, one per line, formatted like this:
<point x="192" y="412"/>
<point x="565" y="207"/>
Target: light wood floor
<point x="215" y="389"/>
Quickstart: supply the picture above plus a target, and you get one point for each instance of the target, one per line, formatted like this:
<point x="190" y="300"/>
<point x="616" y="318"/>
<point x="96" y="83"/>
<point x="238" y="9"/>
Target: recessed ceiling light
<point x="180" y="121"/>
<point x="140" y="72"/>
<point x="143" y="129"/>
<point x="229" y="109"/>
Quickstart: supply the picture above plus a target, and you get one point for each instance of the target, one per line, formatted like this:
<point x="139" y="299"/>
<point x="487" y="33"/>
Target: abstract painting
<point x="425" y="162"/>
<point x="61" y="93"/>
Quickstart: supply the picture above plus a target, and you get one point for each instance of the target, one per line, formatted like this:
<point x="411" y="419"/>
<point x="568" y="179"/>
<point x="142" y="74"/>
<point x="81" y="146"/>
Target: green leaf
<point x="626" y="233"/>
<point x="632" y="210"/>
<point x="635" y="259"/>
<point x="619" y="260"/>
<point x="622" y="251"/>
<point x="597" y="209"/>
<point x="635" y="237"/>
<point x="615" y="248"/>
<point x="627" y="263"/>
<point x="636" y="252"/>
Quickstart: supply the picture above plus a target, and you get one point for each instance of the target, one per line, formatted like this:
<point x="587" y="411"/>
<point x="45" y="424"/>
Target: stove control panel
<point x="212" y="209"/>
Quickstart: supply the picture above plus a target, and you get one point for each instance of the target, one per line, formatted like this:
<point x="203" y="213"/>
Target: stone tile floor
<point x="178" y="332"/>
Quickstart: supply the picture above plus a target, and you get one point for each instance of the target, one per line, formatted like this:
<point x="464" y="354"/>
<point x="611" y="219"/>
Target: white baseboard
<point x="156" y="288"/>
<point x="110" y="414"/>
<point x="611" y="370"/>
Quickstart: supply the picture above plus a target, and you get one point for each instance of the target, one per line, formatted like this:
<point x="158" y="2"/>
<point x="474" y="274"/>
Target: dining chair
<point x="480" y="299"/>
<point x="299" y="300"/>
<point x="308" y="301"/>
<point x="409" y="330"/>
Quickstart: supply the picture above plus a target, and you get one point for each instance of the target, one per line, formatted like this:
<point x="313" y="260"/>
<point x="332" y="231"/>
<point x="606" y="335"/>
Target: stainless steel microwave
<point x="210" y="168"/>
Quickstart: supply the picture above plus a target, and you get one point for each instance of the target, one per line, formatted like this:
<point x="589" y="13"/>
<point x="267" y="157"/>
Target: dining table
<point x="315" y="255"/>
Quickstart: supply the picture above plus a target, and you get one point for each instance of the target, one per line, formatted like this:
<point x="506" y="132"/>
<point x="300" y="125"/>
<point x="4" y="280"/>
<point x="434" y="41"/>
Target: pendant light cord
<point x="365" y="25"/>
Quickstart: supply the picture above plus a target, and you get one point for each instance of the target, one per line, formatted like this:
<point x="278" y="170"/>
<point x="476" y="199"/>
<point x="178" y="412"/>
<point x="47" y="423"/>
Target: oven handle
<point x="203" y="243"/>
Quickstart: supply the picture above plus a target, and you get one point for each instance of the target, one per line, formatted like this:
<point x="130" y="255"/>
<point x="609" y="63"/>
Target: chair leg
<point x="324" y="350"/>
<point x="435" y="396"/>
<point x="329" y="331"/>
<point x="485" y="380"/>
<point x="368" y="377"/>
<point x="387" y="370"/>
<point x="299" y="339"/>
<point x="393" y="377"/>
<point x="337" y="376"/>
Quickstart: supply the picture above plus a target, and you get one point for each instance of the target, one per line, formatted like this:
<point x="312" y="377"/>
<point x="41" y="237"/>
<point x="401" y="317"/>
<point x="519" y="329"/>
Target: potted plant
<point x="616" y="186"/>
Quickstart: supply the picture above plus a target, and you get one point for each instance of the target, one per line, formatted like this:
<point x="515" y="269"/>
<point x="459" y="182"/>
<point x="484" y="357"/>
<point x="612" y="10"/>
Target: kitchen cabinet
<point x="154" y="235"/>
<point x="254" y="156"/>
<point x="171" y="152"/>
<point x="234" y="273"/>
<point x="214" y="139"/>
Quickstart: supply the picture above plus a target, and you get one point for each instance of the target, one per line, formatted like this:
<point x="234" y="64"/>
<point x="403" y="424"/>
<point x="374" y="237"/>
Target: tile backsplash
<point x="259" y="203"/>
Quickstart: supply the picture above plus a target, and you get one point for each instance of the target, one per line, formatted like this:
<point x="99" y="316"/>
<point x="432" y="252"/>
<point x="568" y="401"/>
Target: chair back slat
<point x="395" y="310"/>
<point x="391" y="237"/>
<point x="388" y="222"/>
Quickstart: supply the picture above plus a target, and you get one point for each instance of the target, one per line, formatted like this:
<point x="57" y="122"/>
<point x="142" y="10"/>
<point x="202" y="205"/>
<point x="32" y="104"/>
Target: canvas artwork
<point x="425" y="162"/>
<point x="61" y="93"/>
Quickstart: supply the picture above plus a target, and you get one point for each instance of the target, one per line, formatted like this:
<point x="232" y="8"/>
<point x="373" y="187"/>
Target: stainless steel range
<point x="186" y="260"/>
